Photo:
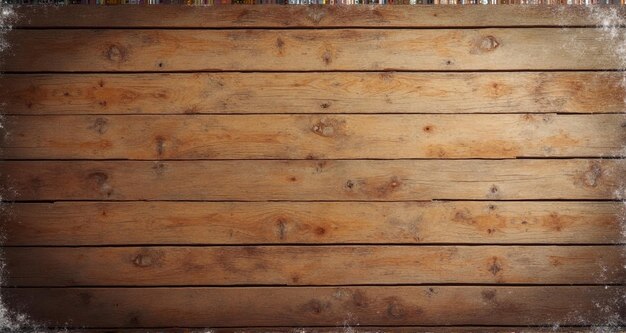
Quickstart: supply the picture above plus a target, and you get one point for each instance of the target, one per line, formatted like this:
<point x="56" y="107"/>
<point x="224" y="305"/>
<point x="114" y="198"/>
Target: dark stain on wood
<point x="316" y="307"/>
<point x="160" y="145"/>
<point x="100" y="182"/>
<point x="159" y="168"/>
<point x="359" y="299"/>
<point x="100" y="125"/>
<point x="495" y="266"/>
<point x="395" y="308"/>
<point x="489" y="295"/>
<point x="281" y="224"/>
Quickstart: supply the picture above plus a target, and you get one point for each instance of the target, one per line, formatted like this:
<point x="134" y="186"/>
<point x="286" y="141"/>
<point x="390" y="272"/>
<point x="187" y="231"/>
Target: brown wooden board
<point x="313" y="265"/>
<point x="339" y="92"/>
<point x="310" y="16"/>
<point x="312" y="136"/>
<point x="405" y="305"/>
<point x="314" y="180"/>
<point x="120" y="223"/>
<point x="355" y="328"/>
<point x="309" y="50"/>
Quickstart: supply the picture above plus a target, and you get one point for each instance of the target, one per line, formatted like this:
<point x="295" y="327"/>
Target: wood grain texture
<point x="120" y="223"/>
<point x="210" y="307"/>
<point x="340" y="92"/>
<point x="309" y="16"/>
<point x="356" y="329"/>
<point x="314" y="180"/>
<point x="309" y="50"/>
<point x="312" y="265"/>
<point x="312" y="136"/>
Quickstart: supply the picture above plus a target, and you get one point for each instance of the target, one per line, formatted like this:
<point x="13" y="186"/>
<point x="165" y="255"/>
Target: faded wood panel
<point x="312" y="265"/>
<point x="210" y="307"/>
<point x="312" y="136"/>
<point x="309" y="16"/>
<point x="309" y="50"/>
<point x="120" y="223"/>
<point x="314" y="180"/>
<point x="572" y="92"/>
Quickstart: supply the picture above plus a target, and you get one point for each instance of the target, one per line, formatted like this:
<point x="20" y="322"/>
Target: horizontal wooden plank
<point x="355" y="328"/>
<point x="209" y="307"/>
<point x="340" y="92"/>
<point x="120" y="223"/>
<point x="312" y="136"/>
<point x="309" y="16"/>
<point x="314" y="180"/>
<point x="309" y="50"/>
<point x="312" y="265"/>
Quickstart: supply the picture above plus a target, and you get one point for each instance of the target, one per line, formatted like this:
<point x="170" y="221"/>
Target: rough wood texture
<point x="384" y="92"/>
<point x="357" y="329"/>
<point x="210" y="307"/>
<point x="313" y="265"/>
<point x="310" y="16"/>
<point x="119" y="223"/>
<point x="314" y="180"/>
<point x="309" y="50"/>
<point x="355" y="129"/>
<point x="312" y="136"/>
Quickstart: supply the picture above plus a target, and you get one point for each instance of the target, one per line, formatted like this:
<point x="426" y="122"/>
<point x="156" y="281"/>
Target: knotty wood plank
<point x="309" y="16"/>
<point x="210" y="307"/>
<point x="312" y="136"/>
<point x="572" y="92"/>
<point x="120" y="223"/>
<point x="312" y="265"/>
<point x="313" y="180"/>
<point x="309" y="50"/>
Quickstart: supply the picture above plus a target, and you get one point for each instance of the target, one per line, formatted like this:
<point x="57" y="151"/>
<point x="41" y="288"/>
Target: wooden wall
<point x="414" y="168"/>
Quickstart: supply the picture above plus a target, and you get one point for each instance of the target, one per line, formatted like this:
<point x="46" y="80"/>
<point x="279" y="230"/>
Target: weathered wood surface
<point x="312" y="136"/>
<point x="121" y="223"/>
<point x="313" y="180"/>
<point x="355" y="328"/>
<point x="308" y="16"/>
<point x="312" y="265"/>
<point x="210" y="307"/>
<point x="384" y="92"/>
<point x="309" y="50"/>
<point x="337" y="97"/>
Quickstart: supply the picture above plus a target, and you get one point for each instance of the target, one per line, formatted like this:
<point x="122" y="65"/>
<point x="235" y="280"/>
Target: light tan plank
<point x="314" y="180"/>
<point x="318" y="50"/>
<point x="312" y="137"/>
<point x="316" y="265"/>
<point x="121" y="223"/>
<point x="309" y="16"/>
<point x="208" y="307"/>
<point x="572" y="92"/>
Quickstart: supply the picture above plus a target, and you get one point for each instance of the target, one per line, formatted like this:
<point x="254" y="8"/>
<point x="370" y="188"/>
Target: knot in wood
<point x="143" y="260"/>
<point x="485" y="44"/>
<point x="315" y="14"/>
<point x="489" y="43"/>
<point x="591" y="177"/>
<point x="100" y="125"/>
<point x="323" y="129"/>
<point x="116" y="53"/>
